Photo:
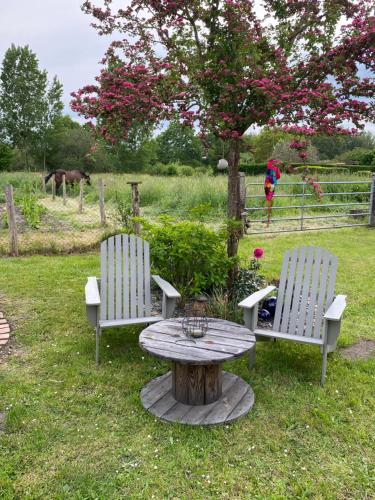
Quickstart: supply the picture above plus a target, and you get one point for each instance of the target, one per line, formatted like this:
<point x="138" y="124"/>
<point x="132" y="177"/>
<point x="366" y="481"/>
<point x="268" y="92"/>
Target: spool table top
<point x="223" y="341"/>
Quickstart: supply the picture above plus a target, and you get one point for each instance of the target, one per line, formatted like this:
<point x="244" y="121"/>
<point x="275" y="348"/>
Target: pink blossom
<point x="258" y="253"/>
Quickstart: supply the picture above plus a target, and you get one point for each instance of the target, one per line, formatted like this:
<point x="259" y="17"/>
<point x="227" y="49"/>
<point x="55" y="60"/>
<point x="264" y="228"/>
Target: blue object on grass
<point x="264" y="315"/>
<point x="270" y="305"/>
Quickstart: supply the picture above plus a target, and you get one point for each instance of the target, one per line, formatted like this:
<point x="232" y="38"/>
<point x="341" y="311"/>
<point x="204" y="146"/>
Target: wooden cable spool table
<point x="197" y="391"/>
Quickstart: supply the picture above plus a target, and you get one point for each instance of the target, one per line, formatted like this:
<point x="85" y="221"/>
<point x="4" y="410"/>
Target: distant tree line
<point x="35" y="135"/>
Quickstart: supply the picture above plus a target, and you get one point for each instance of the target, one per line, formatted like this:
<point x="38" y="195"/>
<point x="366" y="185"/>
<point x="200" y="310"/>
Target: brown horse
<point x="71" y="177"/>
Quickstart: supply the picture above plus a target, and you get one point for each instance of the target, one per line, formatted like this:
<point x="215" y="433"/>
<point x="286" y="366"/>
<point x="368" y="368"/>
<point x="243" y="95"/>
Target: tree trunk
<point x="27" y="160"/>
<point x="234" y="207"/>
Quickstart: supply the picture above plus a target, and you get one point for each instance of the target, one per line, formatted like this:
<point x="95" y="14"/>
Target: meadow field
<point x="62" y="229"/>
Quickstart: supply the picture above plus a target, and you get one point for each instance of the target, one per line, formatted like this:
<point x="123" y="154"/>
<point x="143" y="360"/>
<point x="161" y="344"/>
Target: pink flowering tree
<point x="224" y="65"/>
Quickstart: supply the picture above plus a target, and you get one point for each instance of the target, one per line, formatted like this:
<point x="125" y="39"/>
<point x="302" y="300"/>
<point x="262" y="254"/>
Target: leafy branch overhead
<point x="226" y="65"/>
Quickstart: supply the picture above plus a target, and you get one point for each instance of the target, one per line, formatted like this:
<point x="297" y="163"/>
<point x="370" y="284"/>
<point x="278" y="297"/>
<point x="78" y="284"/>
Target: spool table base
<point x="235" y="401"/>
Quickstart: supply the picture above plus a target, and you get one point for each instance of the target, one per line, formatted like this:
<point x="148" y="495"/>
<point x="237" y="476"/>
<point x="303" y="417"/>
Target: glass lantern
<point x="222" y="164"/>
<point x="194" y="322"/>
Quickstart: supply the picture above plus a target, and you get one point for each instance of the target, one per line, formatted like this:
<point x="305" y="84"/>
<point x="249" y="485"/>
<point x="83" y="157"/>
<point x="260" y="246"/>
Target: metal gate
<point x="308" y="214"/>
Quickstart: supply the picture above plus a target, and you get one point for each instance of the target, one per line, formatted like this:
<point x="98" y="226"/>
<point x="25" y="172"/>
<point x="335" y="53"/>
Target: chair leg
<point x="324" y="364"/>
<point x="252" y="358"/>
<point x="98" y="335"/>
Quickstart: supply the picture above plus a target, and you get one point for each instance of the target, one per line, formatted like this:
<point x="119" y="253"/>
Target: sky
<point x="62" y="38"/>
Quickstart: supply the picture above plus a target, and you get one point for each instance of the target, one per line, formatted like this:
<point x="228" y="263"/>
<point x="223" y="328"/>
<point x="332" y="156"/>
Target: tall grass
<point x="24" y="183"/>
<point x="178" y="195"/>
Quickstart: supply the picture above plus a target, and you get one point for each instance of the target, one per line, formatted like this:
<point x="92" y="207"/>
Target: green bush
<point x="319" y="170"/>
<point x="167" y="170"/>
<point x="31" y="210"/>
<point x="6" y="155"/>
<point x="368" y="158"/>
<point x="201" y="212"/>
<point x="189" y="255"/>
<point x="124" y="213"/>
<point x="248" y="281"/>
<point x="258" y="169"/>
<point x="199" y="171"/>
<point x="175" y="169"/>
<point x="186" y="170"/>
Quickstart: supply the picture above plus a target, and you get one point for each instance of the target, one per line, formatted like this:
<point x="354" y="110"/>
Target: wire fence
<point x="351" y="203"/>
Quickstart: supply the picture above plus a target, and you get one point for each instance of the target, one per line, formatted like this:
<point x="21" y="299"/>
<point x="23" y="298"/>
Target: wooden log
<point x="196" y="384"/>
<point x="53" y="181"/>
<point x="80" y="201"/>
<point x="372" y="203"/>
<point x="212" y="383"/>
<point x="13" y="238"/>
<point x="136" y="205"/>
<point x="242" y="198"/>
<point x="64" y="189"/>
<point x="103" y="219"/>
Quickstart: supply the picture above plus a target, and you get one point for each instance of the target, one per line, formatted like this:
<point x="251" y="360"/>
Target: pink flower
<point x="258" y="253"/>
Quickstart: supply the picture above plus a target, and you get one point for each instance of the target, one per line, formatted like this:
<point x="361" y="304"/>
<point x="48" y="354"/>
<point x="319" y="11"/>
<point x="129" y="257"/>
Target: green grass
<point x="73" y="431"/>
<point x="178" y="195"/>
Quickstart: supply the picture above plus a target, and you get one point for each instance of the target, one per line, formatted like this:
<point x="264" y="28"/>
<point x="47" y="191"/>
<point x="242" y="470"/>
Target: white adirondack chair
<point x="122" y="296"/>
<point x="307" y="310"/>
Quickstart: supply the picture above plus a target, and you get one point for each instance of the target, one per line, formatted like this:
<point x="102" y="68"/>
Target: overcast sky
<point x="61" y="36"/>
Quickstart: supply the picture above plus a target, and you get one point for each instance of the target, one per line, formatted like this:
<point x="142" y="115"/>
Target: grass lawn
<point x="73" y="431"/>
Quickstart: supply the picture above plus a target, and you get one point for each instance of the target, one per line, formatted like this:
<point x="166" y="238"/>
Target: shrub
<point x="368" y="158"/>
<point x="189" y="255"/>
<point x="199" y="171"/>
<point x="355" y="156"/>
<point x="6" y="155"/>
<point x="248" y="280"/>
<point x="124" y="213"/>
<point x="32" y="210"/>
<point x="186" y="170"/>
<point x="201" y="212"/>
<point x="317" y="169"/>
<point x="174" y="169"/>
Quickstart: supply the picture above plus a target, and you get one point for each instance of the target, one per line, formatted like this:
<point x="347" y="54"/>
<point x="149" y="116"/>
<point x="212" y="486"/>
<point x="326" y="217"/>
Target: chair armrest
<point x="92" y="292"/>
<point x="166" y="287"/>
<point x="336" y="309"/>
<point x="253" y="299"/>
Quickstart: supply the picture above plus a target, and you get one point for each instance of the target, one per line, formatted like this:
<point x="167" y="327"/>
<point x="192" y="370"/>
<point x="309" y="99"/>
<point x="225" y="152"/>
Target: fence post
<point x="103" y="219"/>
<point x="303" y="205"/>
<point x="372" y="203"/>
<point x="64" y="189"/>
<point x="43" y="184"/>
<point x="242" y="181"/>
<point x="135" y="204"/>
<point x="80" y="202"/>
<point x="53" y="187"/>
<point x="13" y="239"/>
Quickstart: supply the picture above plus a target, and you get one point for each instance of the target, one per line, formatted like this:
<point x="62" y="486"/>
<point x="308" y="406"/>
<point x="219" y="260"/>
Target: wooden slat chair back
<point x="306" y="290"/>
<point x="307" y="310"/>
<point x="123" y="294"/>
<point x="125" y="278"/>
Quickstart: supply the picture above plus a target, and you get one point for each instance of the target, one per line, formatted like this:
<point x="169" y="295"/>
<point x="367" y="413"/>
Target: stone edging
<point x="4" y="330"/>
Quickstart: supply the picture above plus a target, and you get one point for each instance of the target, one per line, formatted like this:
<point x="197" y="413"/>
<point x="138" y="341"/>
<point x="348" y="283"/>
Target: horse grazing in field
<point x="71" y="177"/>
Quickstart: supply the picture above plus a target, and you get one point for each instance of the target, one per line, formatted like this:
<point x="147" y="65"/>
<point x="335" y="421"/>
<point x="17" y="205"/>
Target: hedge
<point x="317" y="168"/>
